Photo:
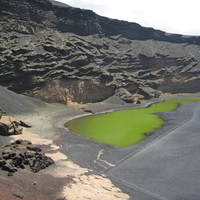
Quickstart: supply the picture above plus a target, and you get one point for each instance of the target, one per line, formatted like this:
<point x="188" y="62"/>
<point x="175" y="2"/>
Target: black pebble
<point x="10" y="174"/>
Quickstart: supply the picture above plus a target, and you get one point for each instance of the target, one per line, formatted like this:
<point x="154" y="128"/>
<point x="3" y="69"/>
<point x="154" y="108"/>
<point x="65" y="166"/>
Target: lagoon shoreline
<point x="95" y="158"/>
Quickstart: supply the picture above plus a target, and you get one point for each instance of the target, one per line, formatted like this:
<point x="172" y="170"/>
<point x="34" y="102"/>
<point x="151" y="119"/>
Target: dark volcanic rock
<point x="46" y="47"/>
<point x="10" y="126"/>
<point x="10" y="129"/>
<point x="147" y="91"/>
<point x="19" y="195"/>
<point x="24" y="124"/>
<point x="89" y="110"/>
<point x="4" y="129"/>
<point x="124" y="95"/>
<point x="23" y="154"/>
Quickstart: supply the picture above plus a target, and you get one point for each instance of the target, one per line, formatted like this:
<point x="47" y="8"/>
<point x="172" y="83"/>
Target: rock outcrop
<point x="65" y="54"/>
<point x="10" y="126"/>
<point x="10" y="129"/>
<point x="125" y="95"/>
<point x="23" y="154"/>
<point x="79" y="91"/>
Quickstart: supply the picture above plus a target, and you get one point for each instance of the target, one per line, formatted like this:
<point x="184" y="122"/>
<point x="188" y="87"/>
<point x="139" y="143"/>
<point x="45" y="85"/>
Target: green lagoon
<point x="125" y="127"/>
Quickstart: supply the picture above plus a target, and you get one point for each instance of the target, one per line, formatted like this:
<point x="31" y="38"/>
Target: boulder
<point x="10" y="129"/>
<point x="124" y="95"/>
<point x="9" y="168"/>
<point x="88" y="110"/>
<point x="4" y="129"/>
<point x="10" y="126"/>
<point x="23" y="154"/>
<point x="150" y="92"/>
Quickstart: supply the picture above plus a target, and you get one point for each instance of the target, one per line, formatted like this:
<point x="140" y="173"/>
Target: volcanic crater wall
<point x="65" y="54"/>
<point x="79" y="91"/>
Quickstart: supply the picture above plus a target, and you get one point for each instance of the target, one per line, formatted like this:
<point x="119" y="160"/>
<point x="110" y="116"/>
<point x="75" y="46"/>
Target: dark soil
<point x="32" y="186"/>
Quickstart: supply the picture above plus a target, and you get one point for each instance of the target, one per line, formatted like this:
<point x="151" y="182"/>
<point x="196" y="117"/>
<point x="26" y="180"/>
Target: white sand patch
<point x="55" y="147"/>
<point x="94" y="187"/>
<point x="63" y="168"/>
<point x="7" y="119"/>
<point x="34" y="138"/>
<point x="57" y="156"/>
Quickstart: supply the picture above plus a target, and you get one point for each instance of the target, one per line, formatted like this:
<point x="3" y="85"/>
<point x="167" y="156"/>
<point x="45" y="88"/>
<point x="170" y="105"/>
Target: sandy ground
<point x="79" y="162"/>
<point x="80" y="185"/>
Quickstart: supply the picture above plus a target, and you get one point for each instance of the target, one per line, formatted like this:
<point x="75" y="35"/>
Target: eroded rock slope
<point x="65" y="54"/>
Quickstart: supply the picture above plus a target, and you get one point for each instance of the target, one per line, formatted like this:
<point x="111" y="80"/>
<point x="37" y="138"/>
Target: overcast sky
<point x="173" y="16"/>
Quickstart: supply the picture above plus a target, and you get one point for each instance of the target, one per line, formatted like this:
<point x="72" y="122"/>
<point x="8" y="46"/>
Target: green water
<point x="125" y="127"/>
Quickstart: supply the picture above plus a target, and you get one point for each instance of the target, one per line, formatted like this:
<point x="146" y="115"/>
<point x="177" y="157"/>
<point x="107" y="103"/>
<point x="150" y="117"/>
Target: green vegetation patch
<point x="126" y="127"/>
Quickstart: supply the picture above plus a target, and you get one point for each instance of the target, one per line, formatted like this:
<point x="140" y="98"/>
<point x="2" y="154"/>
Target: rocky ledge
<point x="23" y="154"/>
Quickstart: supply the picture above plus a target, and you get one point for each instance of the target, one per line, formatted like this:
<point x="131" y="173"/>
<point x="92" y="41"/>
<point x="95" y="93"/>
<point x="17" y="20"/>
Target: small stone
<point x="22" y="166"/>
<point x="10" y="174"/>
<point x="19" y="195"/>
<point x="18" y="141"/>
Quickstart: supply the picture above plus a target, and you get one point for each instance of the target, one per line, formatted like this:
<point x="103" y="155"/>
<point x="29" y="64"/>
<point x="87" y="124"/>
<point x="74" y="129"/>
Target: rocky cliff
<point x="65" y="54"/>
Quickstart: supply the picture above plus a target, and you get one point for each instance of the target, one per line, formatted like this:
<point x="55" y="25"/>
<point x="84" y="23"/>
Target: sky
<point x="172" y="16"/>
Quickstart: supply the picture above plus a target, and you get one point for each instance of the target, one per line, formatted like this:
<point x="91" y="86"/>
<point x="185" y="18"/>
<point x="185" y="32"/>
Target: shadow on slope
<point x="15" y="103"/>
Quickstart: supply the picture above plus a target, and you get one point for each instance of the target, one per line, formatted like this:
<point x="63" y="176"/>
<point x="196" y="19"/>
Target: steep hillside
<point x="14" y="103"/>
<point x="66" y="54"/>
